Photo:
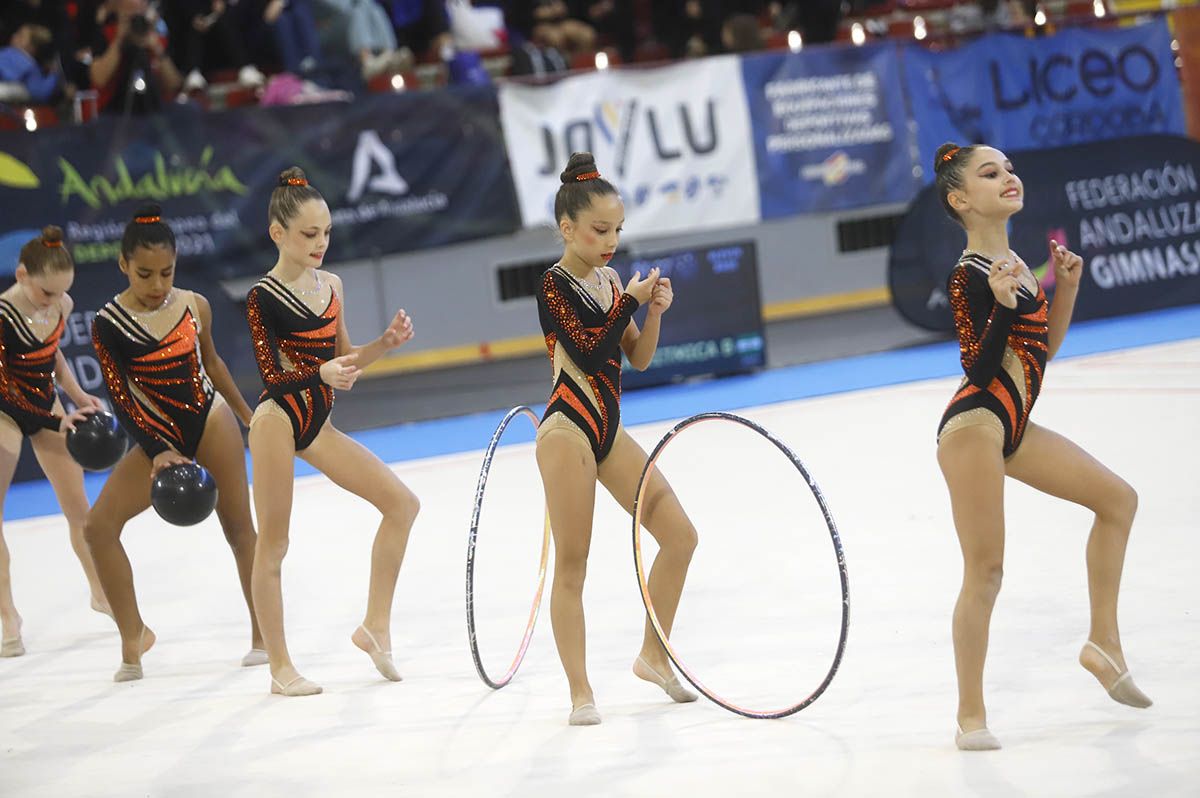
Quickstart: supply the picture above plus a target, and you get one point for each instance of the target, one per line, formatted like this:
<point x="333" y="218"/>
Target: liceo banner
<point x="1129" y="207"/>
<point x="1017" y="93"/>
<point x="830" y="128"/>
<point x="674" y="140"/>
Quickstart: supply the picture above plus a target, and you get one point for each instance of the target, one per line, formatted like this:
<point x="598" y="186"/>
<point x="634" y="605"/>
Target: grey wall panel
<point x="452" y="294"/>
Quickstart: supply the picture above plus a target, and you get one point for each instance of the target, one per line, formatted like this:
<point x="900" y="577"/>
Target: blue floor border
<point x="467" y="433"/>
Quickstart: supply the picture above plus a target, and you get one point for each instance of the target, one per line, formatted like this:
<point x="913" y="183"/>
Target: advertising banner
<point x="399" y="172"/>
<point x="830" y="129"/>
<point x="674" y="140"/>
<point x="1017" y="93"/>
<point x="1130" y="208"/>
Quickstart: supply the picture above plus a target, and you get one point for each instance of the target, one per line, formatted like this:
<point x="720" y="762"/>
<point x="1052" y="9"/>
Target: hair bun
<point x="52" y="234"/>
<point x="293" y="176"/>
<point x="149" y="213"/>
<point x="945" y="154"/>
<point x="580" y="163"/>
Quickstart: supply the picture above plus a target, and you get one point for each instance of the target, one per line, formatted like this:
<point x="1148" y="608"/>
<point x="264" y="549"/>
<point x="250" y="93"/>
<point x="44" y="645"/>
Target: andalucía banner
<point x="400" y="172"/>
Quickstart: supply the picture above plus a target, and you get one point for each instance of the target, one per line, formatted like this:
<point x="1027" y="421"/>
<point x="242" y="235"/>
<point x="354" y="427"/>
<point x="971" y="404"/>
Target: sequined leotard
<point x="583" y="337"/>
<point x="291" y="343"/>
<point x="157" y="382"/>
<point x="27" y="362"/>
<point x="1003" y="354"/>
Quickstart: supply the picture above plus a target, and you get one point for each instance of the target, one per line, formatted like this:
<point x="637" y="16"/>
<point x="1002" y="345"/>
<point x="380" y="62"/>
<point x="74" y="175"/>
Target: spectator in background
<point x="613" y="19"/>
<point x="817" y="19"/>
<point x="130" y="69"/>
<point x="295" y="31"/>
<point x="741" y="33"/>
<point x="50" y="14"/>
<point x="421" y="26"/>
<point x="549" y="24"/>
<point x="30" y="61"/>
<point x="89" y="19"/>
<point x="987" y="15"/>
<point x="207" y="35"/>
<point x="538" y="57"/>
<point x="689" y="28"/>
<point x="370" y="37"/>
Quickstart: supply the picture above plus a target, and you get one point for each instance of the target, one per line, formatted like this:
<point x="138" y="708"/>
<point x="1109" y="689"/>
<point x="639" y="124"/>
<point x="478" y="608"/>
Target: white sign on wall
<point x="675" y="141"/>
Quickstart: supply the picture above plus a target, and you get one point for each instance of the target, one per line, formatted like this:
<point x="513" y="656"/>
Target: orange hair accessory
<point x="587" y="176"/>
<point x="147" y="219"/>
<point x="51" y="244"/>
<point x="950" y="154"/>
<point x="294" y="181"/>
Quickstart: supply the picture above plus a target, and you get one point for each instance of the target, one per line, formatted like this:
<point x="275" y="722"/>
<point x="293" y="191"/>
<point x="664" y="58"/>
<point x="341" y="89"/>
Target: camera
<point x="139" y="26"/>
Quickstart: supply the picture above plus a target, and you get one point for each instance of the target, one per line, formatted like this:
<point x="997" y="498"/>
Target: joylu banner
<point x="673" y="140"/>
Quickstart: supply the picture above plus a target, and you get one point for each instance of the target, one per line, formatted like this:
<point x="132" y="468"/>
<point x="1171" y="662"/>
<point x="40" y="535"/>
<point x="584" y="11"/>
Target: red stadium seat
<point x="14" y="117"/>
<point x="382" y="83"/>
<point x="927" y="5"/>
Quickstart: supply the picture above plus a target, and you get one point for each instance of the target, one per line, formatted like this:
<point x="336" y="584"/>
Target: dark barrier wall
<point x="1131" y="208"/>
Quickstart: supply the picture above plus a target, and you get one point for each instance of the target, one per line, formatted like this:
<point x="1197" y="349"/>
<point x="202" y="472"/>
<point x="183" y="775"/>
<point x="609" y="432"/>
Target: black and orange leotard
<point x="291" y="343"/>
<point x="27" y="392"/>
<point x="157" y="382"/>
<point x="1003" y="354"/>
<point x="583" y="337"/>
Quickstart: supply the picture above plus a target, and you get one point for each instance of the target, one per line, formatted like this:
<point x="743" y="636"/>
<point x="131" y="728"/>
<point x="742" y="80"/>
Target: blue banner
<point x="1017" y="93"/>
<point x="399" y="172"/>
<point x="830" y="129"/>
<point x="1129" y="207"/>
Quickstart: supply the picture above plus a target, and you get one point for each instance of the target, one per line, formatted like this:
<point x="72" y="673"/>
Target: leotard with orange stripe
<point x="1003" y="354"/>
<point x="583" y="328"/>
<point x="27" y="363"/>
<point x="157" y="382"/>
<point x="291" y="343"/>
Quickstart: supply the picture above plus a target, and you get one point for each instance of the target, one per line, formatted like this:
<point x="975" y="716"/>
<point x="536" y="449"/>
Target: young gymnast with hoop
<point x="587" y="319"/>
<point x="1007" y="330"/>
<point x="304" y="352"/>
<point x="33" y="315"/>
<point x="156" y="351"/>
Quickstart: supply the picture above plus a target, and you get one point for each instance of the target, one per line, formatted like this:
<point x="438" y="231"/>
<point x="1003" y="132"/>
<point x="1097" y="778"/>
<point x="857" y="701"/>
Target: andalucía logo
<point x="162" y="182"/>
<point x="15" y="174"/>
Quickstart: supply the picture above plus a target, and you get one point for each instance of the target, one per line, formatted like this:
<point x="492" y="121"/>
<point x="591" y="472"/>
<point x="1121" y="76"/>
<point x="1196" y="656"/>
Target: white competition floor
<point x="759" y="621"/>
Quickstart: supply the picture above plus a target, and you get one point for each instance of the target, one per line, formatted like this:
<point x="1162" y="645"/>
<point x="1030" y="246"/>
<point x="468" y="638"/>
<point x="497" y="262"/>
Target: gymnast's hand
<point x="71" y="419"/>
<point x="399" y="332"/>
<point x="166" y="459"/>
<point x="1002" y="277"/>
<point x="85" y="401"/>
<point x="341" y="372"/>
<point x="1068" y="267"/>
<point x="661" y="296"/>
<point x="640" y="289"/>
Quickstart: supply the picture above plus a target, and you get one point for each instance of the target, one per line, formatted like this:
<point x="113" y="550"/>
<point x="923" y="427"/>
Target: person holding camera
<point x="131" y="70"/>
<point x="31" y="62"/>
